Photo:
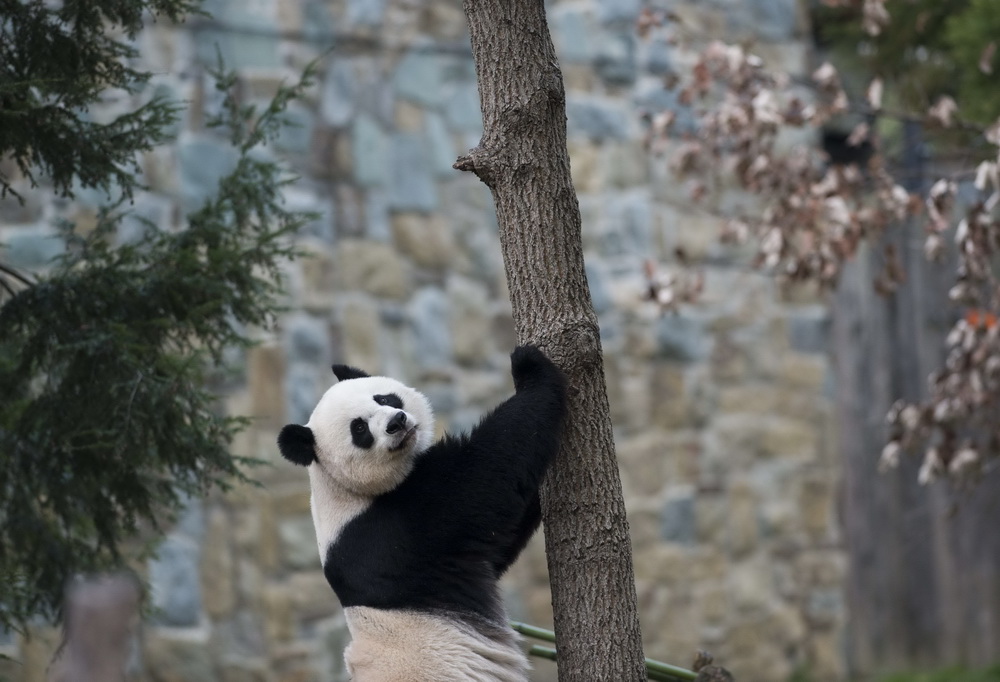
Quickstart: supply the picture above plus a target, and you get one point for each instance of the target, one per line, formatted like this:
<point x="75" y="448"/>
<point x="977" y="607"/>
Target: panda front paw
<point x="529" y="366"/>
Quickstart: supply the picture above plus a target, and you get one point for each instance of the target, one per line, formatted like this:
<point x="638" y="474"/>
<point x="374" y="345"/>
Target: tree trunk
<point x="522" y="157"/>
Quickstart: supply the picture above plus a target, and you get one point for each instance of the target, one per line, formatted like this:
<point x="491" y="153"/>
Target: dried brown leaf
<point x="986" y="58"/>
<point x="874" y="94"/>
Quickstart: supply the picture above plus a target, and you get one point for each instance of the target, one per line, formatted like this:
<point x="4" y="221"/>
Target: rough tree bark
<point x="522" y="157"/>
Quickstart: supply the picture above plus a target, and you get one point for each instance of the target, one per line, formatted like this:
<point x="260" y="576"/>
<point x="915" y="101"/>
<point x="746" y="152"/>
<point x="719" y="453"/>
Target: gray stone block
<point x="618" y="11"/>
<point x="597" y="279"/>
<point x="627" y="226"/>
<point x="677" y="520"/>
<point x="418" y="78"/>
<point x="809" y="330"/>
<point x="596" y="118"/>
<point x="653" y="100"/>
<point x="307" y="339"/>
<point x="683" y="338"/>
<point x="302" y="392"/>
<point x="369" y="152"/>
<point x="825" y="605"/>
<point x="302" y="198"/>
<point x="202" y="162"/>
<point x="572" y="33"/>
<point x="297" y="130"/>
<point x="191" y="522"/>
<point x="411" y="174"/>
<point x="462" y="110"/>
<point x="615" y="62"/>
<point x="339" y="94"/>
<point x="248" y="37"/>
<point x="175" y="582"/>
<point x="298" y="542"/>
<point x="149" y="214"/>
<point x="431" y="332"/>
<point x="377" y="223"/>
<point x="442" y="146"/>
<point x="32" y="247"/>
<point x="770" y="20"/>
<point x="656" y="57"/>
<point x="364" y="12"/>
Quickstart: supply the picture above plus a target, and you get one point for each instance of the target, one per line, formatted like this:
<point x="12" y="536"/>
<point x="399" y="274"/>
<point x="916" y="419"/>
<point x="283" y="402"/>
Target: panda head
<point x="365" y="432"/>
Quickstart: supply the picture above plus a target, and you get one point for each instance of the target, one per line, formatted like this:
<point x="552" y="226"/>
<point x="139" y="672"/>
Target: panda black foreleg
<point x="509" y="452"/>
<point x="525" y="529"/>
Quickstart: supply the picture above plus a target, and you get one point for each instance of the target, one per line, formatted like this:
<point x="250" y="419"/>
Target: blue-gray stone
<point x="597" y="280"/>
<point x="657" y="57"/>
<point x="442" y="396"/>
<point x="307" y="339"/>
<point x="431" y="332"/>
<point x="321" y="224"/>
<point x="681" y="337"/>
<point x="595" y="118"/>
<point x="411" y="174"/>
<point x="464" y="420"/>
<point x="809" y="330"/>
<point x="770" y="20"/>
<point x="618" y="11"/>
<point x="339" y="94"/>
<point x="365" y="12"/>
<point x="149" y="214"/>
<point x="33" y="247"/>
<point x="96" y="197"/>
<point x="165" y="92"/>
<point x="7" y="637"/>
<point x="301" y="392"/>
<point x="247" y="38"/>
<point x="628" y="226"/>
<point x="248" y="48"/>
<point x="825" y="604"/>
<point x="677" y="520"/>
<point x="296" y="132"/>
<point x="191" y="522"/>
<point x="175" y="582"/>
<point x="615" y="60"/>
<point x="378" y="225"/>
<point x="369" y="151"/>
<point x="572" y="34"/>
<point x="442" y="147"/>
<point x="392" y="314"/>
<point x="657" y="99"/>
<point x="316" y="21"/>
<point x="202" y="162"/>
<point x="375" y="94"/>
<point x="462" y="109"/>
<point x="418" y="78"/>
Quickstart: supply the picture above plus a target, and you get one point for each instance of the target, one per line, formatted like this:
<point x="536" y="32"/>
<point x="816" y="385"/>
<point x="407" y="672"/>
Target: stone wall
<point x="722" y="418"/>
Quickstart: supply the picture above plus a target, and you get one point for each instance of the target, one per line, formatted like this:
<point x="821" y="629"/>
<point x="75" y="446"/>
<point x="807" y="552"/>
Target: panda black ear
<point x="345" y="372"/>
<point x="297" y="444"/>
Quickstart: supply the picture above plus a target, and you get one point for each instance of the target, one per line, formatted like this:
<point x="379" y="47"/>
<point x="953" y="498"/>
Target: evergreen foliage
<point x="106" y="421"/>
<point x="56" y="59"/>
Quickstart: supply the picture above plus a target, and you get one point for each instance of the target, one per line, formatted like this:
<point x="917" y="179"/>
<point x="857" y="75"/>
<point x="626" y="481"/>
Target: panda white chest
<point x="332" y="507"/>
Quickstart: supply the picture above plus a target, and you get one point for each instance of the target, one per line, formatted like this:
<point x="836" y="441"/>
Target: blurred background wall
<point x="723" y="411"/>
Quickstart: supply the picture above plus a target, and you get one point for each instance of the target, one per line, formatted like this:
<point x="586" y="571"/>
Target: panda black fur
<point x="414" y="536"/>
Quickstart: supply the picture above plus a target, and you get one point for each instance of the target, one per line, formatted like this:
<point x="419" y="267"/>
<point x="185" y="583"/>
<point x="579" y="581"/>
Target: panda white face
<point x="368" y="431"/>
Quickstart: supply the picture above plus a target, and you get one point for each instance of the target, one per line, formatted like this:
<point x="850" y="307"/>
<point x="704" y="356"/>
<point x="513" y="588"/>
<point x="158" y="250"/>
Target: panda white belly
<point x="409" y="646"/>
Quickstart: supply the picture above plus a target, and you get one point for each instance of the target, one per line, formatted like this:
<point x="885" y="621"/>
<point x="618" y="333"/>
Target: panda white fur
<point x="414" y="535"/>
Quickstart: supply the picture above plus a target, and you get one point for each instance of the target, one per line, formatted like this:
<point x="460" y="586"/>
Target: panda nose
<point x="397" y="423"/>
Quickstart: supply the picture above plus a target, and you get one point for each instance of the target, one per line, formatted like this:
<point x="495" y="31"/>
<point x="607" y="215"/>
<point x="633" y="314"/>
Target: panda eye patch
<point x="389" y="400"/>
<point x="360" y="434"/>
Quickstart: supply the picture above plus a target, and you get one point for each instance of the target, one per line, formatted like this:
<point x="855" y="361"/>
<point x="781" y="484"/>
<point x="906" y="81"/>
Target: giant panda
<point x="414" y="535"/>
